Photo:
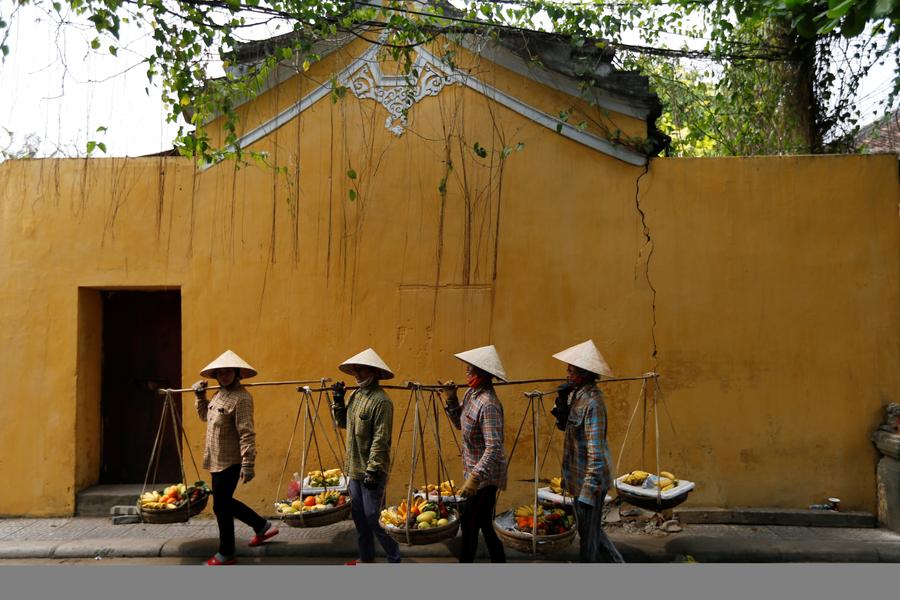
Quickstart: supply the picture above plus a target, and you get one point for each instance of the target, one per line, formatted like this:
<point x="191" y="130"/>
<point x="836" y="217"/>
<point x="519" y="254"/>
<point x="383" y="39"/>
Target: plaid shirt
<point x="586" y="456"/>
<point x="368" y="418"/>
<point x="480" y="417"/>
<point x="230" y="439"/>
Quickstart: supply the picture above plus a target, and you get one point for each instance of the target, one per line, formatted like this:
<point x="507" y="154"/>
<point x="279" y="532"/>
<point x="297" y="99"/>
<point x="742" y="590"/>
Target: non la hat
<point x="586" y="356"/>
<point x="367" y="358"/>
<point x="228" y="360"/>
<point x="486" y="359"/>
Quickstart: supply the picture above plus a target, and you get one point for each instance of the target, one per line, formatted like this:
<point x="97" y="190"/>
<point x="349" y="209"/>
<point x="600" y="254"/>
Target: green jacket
<point x="368" y="418"/>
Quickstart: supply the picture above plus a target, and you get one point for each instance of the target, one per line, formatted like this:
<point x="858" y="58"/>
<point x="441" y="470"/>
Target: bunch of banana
<point x="445" y="488"/>
<point x="325" y="496"/>
<point x="331" y="477"/>
<point x="526" y="510"/>
<point x="667" y="481"/>
<point x="636" y="478"/>
<point x="391" y="516"/>
<point x="556" y="485"/>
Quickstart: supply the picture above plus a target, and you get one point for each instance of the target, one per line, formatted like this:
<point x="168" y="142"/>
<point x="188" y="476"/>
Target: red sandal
<point x="215" y="562"/>
<point x="258" y="540"/>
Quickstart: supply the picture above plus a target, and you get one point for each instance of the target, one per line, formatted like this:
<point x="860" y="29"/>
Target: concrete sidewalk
<point x="89" y="537"/>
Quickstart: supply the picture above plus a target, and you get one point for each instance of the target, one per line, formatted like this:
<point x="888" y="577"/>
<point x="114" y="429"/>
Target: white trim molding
<point x="397" y="94"/>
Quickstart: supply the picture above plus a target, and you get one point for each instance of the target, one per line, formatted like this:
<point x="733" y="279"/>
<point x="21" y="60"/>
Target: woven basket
<point x="198" y="506"/>
<point x="518" y="540"/>
<point x="318" y="518"/>
<point x="164" y="516"/>
<point x="432" y="535"/>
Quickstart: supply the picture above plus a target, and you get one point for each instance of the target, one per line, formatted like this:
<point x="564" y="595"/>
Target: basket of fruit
<point x="446" y="492"/>
<point x="555" y="529"/>
<point x="317" y="482"/>
<point x="314" y="511"/>
<point x="651" y="492"/>
<point x="426" y="522"/>
<point x="175" y="504"/>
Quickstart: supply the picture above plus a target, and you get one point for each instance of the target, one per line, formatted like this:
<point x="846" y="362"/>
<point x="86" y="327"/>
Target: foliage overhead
<point x="747" y="49"/>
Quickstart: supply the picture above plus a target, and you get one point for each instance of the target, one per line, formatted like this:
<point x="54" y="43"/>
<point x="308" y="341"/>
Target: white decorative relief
<point x="395" y="92"/>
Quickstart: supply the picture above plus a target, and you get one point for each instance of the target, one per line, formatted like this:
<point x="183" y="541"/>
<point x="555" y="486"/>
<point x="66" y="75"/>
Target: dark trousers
<point x="365" y="508"/>
<point x="595" y="545"/>
<point x="228" y="509"/>
<point x="478" y="515"/>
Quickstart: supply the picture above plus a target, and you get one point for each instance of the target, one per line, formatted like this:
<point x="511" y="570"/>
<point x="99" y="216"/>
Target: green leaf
<point x="91" y="146"/>
<point x="95" y="43"/>
<point x="113" y="50"/>
<point x="101" y="129"/>
<point x="352" y="194"/>
<point x="351" y="173"/>
<point x="102" y="147"/>
<point x="839" y="9"/>
<point x="884" y="8"/>
<point x="559" y="127"/>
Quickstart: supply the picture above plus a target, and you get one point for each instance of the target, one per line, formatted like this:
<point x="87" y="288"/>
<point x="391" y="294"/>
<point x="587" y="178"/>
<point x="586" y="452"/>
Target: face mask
<point x="364" y="383"/>
<point x="474" y="380"/>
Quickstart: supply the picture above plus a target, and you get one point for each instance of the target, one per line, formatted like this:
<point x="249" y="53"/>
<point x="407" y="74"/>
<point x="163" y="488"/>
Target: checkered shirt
<point x="230" y="439"/>
<point x="586" y="456"/>
<point x="480" y="417"/>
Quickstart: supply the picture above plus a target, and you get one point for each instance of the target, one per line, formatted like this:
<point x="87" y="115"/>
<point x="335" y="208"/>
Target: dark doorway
<point x="141" y="353"/>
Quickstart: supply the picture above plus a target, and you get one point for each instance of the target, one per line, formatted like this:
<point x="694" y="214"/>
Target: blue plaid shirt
<point x="586" y="456"/>
<point x="480" y="417"/>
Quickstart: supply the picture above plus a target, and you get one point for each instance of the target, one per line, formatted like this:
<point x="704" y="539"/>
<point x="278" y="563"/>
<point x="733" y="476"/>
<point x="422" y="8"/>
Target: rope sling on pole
<point x="184" y="511"/>
<point x="655" y="502"/>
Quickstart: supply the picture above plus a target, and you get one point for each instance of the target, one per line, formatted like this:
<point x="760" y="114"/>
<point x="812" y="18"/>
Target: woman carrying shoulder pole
<point x="480" y="418"/>
<point x="230" y="450"/>
<point x="368" y="417"/>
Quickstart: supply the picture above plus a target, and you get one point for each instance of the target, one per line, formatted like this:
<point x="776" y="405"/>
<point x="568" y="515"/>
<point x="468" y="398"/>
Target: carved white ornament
<point x="397" y="93"/>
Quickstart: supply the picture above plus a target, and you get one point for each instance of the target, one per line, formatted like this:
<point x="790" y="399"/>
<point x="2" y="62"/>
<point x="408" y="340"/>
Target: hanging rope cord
<point x="535" y="398"/>
<point x="179" y="434"/>
<point x="658" y="398"/>
<point x="310" y="437"/>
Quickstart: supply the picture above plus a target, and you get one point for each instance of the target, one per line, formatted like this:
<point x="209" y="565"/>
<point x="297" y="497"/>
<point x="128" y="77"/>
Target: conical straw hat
<point x="228" y="360"/>
<point x="586" y="356"/>
<point x="486" y="359"/>
<point x="367" y="358"/>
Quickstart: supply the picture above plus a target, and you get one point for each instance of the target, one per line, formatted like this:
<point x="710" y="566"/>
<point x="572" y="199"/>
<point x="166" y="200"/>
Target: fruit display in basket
<point x="445" y="488"/>
<point x="325" y="500"/>
<point x="550" y="522"/>
<point x="421" y="514"/>
<point x="665" y="481"/>
<point x="329" y="478"/>
<point x="170" y="498"/>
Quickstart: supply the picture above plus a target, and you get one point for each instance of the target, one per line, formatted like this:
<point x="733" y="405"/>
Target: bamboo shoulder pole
<point x="322" y="381"/>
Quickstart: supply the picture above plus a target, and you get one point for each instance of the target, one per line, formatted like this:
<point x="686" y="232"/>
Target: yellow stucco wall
<point x="773" y="283"/>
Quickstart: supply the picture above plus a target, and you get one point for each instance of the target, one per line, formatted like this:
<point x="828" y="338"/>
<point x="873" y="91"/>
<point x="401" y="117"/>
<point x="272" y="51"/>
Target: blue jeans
<point x="595" y="545"/>
<point x="366" y="508"/>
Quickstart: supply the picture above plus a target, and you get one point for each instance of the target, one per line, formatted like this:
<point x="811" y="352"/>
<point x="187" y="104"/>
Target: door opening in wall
<point x="141" y="353"/>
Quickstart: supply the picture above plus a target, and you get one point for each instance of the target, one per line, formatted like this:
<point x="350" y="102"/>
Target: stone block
<point x="888" y="493"/>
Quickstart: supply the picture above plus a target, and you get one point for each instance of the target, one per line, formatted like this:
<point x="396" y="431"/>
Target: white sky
<point x="54" y="87"/>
